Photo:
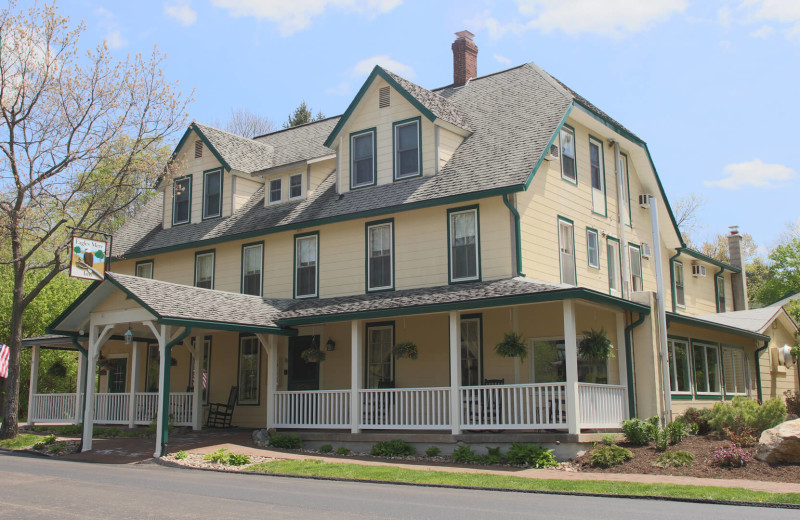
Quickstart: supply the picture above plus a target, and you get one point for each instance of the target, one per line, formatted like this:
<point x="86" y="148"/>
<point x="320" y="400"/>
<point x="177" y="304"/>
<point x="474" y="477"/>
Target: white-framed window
<point x="275" y="190"/>
<point x="471" y="352"/>
<point x="181" y="201"/>
<point x="720" y="283"/>
<point x="305" y="267"/>
<point x="212" y="194"/>
<point x="464" y="245"/>
<point x="380" y="360"/>
<point x="362" y="159"/>
<point x="566" y="248"/>
<point x="144" y="269"/>
<point x="407" y="150"/>
<point x="635" y="255"/>
<point x="706" y="368"/>
<point x="249" y="380"/>
<point x="680" y="293"/>
<point x="679" y="366"/>
<point x="568" y="165"/>
<point x="625" y="195"/>
<point x="593" y="248"/>
<point x="205" y="367"/>
<point x="204" y="270"/>
<point x="296" y="186"/>
<point x="597" y="174"/>
<point x="614" y="272"/>
<point x="735" y="370"/>
<point x="380" y="256"/>
<point x="252" y="262"/>
<point x="548" y="363"/>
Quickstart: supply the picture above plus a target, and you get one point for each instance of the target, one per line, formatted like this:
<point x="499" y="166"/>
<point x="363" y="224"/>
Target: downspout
<point x="86" y="371"/>
<point x="662" y="312"/>
<point x="758" y="370"/>
<point x="621" y="212"/>
<point x="517" y="232"/>
<point x="716" y="287"/>
<point x="672" y="280"/>
<point x="165" y="378"/>
<point x="629" y="362"/>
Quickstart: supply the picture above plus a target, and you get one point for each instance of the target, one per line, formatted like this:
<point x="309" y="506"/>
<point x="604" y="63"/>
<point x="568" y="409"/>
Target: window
<point x="679" y="366"/>
<point x="593" y="248"/>
<point x="117" y="375"/>
<point x="464" y="262"/>
<point x="296" y="186"/>
<point x="407" y="156"/>
<point x="597" y="173"/>
<point x="252" y="262"/>
<point x="249" y="370"/>
<point x="144" y="269"/>
<point x="181" y="201"/>
<point x="204" y="269"/>
<point x="274" y="190"/>
<point x="720" y="281"/>
<point x="626" y="189"/>
<point x="706" y="368"/>
<point x="548" y="364"/>
<point x="568" y="170"/>
<point x="205" y="367"/>
<point x="614" y="274"/>
<point x="734" y="367"/>
<point x="471" y="351"/>
<point x="566" y="247"/>
<point x="362" y="159"/>
<point x="380" y="360"/>
<point x="152" y="368"/>
<point x="212" y="194"/>
<point x="379" y="256"/>
<point x="636" y="267"/>
<point x="680" y="295"/>
<point x="305" y="266"/>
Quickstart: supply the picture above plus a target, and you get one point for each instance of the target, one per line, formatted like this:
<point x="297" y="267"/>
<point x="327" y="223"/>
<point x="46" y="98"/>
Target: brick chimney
<point x="738" y="280"/>
<point x="465" y="58"/>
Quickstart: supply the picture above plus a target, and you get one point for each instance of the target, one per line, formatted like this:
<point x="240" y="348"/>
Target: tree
<point x="248" y="124"/>
<point x="783" y="273"/>
<point x="302" y="115"/>
<point x="686" y="215"/>
<point x="719" y="248"/>
<point x="78" y="136"/>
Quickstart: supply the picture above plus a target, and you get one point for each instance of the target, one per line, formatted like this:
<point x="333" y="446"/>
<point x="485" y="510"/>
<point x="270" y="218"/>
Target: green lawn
<point x="20" y="441"/>
<point x="314" y="467"/>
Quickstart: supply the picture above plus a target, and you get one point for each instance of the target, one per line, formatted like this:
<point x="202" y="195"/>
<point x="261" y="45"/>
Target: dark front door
<point x="117" y="374"/>
<point x="302" y="375"/>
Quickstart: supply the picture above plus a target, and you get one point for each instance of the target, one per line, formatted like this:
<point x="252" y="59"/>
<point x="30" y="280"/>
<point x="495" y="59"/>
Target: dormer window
<point x="296" y="186"/>
<point x="407" y="149"/>
<point x="212" y="194"/>
<point x="568" y="172"/>
<point x="362" y="158"/>
<point x="181" y="200"/>
<point x="275" y="190"/>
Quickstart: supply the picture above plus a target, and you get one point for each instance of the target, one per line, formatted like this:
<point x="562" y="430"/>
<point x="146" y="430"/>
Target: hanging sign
<point x="88" y="259"/>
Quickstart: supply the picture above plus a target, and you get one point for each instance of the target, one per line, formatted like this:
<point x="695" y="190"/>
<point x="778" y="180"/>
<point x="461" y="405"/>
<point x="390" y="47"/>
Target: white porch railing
<point x="601" y="406"/>
<point x="405" y="408"/>
<point x="312" y="409"/>
<point x="180" y="408"/>
<point x="532" y="406"/>
<point x="111" y="408"/>
<point x="53" y="408"/>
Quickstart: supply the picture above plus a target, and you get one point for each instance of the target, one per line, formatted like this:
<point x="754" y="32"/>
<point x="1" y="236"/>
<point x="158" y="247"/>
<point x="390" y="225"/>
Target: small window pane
<point x="306" y="266"/>
<point x="182" y="194"/>
<point x="407" y="150"/>
<point x="566" y="244"/>
<point x="251" y="269"/>
<point x="295" y="186"/>
<point x="380" y="256"/>
<point x="594" y="161"/>
<point x="204" y="271"/>
<point x="680" y="294"/>
<point x="636" y="268"/>
<point x="363" y="172"/>
<point x="568" y="154"/>
<point x="613" y="266"/>
<point x="144" y="270"/>
<point x="212" y="191"/>
<point x="464" y="245"/>
<point x="679" y="366"/>
<point x="249" y="364"/>
<point x="275" y="190"/>
<point x="706" y="367"/>
<point x="594" y="251"/>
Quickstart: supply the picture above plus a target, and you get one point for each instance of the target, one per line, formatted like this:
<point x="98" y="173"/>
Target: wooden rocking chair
<point x="221" y="414"/>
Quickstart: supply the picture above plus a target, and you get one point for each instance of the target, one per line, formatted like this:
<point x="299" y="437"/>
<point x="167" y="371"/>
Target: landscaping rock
<point x="781" y="443"/>
<point x="261" y="438"/>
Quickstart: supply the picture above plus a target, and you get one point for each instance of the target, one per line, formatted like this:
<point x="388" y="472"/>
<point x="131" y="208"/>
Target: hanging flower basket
<point x="405" y="350"/>
<point x="595" y="346"/>
<point x="312" y="355"/>
<point x="512" y="346"/>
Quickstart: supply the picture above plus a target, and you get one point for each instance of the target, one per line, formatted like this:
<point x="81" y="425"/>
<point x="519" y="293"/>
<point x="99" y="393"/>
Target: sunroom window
<point x="679" y="366"/>
<point x="706" y="368"/>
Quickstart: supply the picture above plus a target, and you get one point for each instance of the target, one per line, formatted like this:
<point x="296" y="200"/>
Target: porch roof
<point x="714" y="322"/>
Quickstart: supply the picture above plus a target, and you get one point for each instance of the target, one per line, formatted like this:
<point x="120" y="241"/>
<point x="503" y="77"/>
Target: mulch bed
<point x="703" y="449"/>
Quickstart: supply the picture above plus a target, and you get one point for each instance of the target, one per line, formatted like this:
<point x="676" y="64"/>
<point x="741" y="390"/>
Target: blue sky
<point x="711" y="85"/>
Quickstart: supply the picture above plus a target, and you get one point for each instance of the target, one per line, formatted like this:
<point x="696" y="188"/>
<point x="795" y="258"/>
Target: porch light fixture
<point x="330" y="345"/>
<point x="128" y="336"/>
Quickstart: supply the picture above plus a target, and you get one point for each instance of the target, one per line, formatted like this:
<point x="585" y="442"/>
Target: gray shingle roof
<point x="241" y="153"/>
<point x="438" y="105"/>
<point x="299" y="143"/>
<point x="754" y="320"/>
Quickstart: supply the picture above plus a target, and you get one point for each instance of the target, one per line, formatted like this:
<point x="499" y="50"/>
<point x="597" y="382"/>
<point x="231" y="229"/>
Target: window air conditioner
<point x="553" y="154"/>
<point x="647" y="252"/>
<point x="644" y="201"/>
<point x="699" y="271"/>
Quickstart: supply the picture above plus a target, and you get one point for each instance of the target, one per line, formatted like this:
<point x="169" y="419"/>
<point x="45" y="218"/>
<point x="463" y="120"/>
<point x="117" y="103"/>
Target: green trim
<point x="180" y="179"/>
<point x="475" y="316"/>
<point x="717" y="278"/>
<point x="686" y="397"/>
<point x="478" y="273"/>
<point x="629" y="362"/>
<point x="757" y="357"/>
<point x="546" y="150"/>
<point x="575" y="151"/>
<point x="165" y="377"/>
<point x="672" y="282"/>
<point x="611" y="273"/>
<point x="602" y="158"/>
<point x="244" y="335"/>
<point x="221" y="325"/>
<point x="628" y="189"/>
<point x="213" y="265"/>
<point x="574" y="255"/>
<point x="374" y="132"/>
<point x="404" y="122"/>
<point x="79" y="348"/>
<point x="261" y="274"/>
<point x="294" y="267"/>
<point x="368" y="225"/>
<point x="150" y="261"/>
<point x="517" y="232"/>
<point x="688" y="320"/>
<point x="206" y="173"/>
<point x="195" y="128"/>
<point x="710" y="260"/>
<point x="374" y="325"/>
<point x="596" y="234"/>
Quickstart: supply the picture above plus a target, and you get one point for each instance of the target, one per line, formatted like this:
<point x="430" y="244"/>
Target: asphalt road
<point x="33" y="487"/>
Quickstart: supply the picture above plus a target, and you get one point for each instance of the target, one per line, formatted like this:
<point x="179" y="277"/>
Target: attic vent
<point x="198" y="149"/>
<point x="383" y="97"/>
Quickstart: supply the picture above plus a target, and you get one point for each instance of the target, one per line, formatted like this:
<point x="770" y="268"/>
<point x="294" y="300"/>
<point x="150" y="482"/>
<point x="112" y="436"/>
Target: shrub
<point x="218" y="457"/>
<point x="792" y="402"/>
<point x="393" y="448"/>
<point x="49" y="439"/>
<point x="39" y="446"/>
<point x="433" y="451"/>
<point x="237" y="459"/>
<point x="325" y="448"/>
<point x="464" y="454"/>
<point x="181" y="455"/>
<point x="743" y="436"/>
<point x="608" y="456"/>
<point x="677" y="431"/>
<point x="532" y="455"/>
<point x="698" y="418"/>
<point x="608" y="440"/>
<point x="226" y="459"/>
<point x="285" y="441"/>
<point x="661" y="439"/>
<point x="342" y="451"/>
<point x="638" y="432"/>
<point x="744" y="415"/>
<point x="493" y="456"/>
<point x="731" y="456"/>
<point x="674" y="459"/>
<point x="57" y="448"/>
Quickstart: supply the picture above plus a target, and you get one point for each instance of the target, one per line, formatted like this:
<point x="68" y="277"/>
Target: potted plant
<point x="595" y="346"/>
<point x="405" y="350"/>
<point x="513" y="345"/>
<point x="313" y="355"/>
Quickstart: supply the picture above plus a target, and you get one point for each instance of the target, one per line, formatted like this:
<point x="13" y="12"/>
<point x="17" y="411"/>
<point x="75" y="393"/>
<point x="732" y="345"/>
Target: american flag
<point x="205" y="379"/>
<point x="4" y="351"/>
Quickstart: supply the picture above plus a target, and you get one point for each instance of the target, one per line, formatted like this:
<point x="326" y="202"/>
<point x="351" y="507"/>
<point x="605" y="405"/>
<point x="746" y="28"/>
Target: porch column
<point x="162" y="415"/>
<point x="356" y="379"/>
<point x="34" y="383"/>
<point x="571" y="361"/>
<point x="455" y="374"/>
<point x="272" y="379"/>
<point x="79" y="386"/>
<point x="96" y="340"/>
<point x="197" y="383"/>
<point x="622" y="358"/>
<point x="515" y="328"/>
<point x="134" y="384"/>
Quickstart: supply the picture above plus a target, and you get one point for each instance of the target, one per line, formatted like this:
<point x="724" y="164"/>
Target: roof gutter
<point x="716" y="286"/>
<point x="517" y="232"/>
<point x="629" y="363"/>
<point x="758" y="370"/>
<point x="710" y="260"/>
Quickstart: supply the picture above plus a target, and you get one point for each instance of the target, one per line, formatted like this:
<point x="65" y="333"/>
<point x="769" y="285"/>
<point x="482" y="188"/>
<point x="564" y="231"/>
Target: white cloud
<point x="754" y="173"/>
<point x="114" y="38"/>
<point x="295" y="15"/>
<point x="763" y="32"/>
<point x="365" y="66"/>
<point x="182" y="11"/>
<point x="785" y="11"/>
<point x="501" y="59"/>
<point x="772" y="15"/>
